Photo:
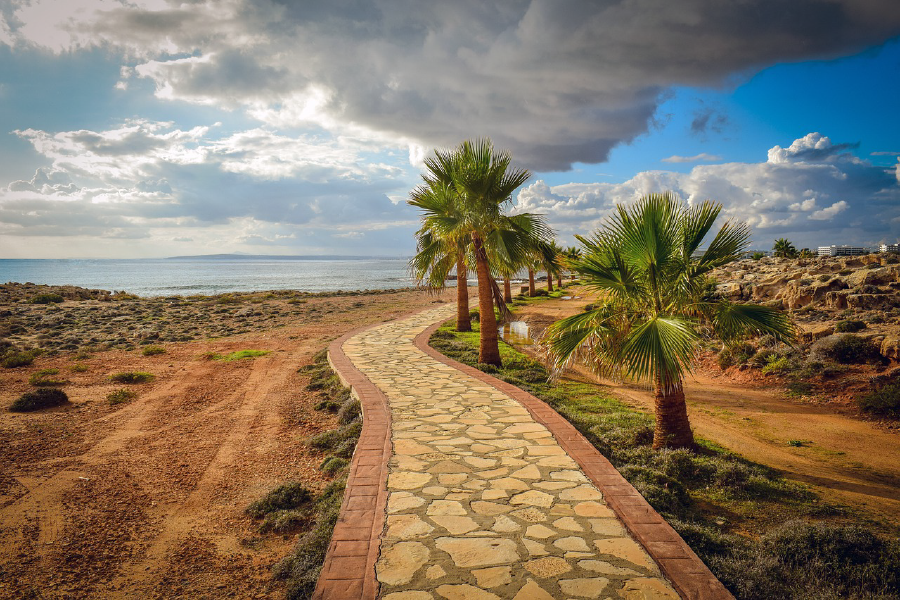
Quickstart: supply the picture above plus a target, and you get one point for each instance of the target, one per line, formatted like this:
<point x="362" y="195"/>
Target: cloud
<point x="703" y="156"/>
<point x="554" y="82"/>
<point x="151" y="178"/>
<point x="708" y="119"/>
<point x="813" y="192"/>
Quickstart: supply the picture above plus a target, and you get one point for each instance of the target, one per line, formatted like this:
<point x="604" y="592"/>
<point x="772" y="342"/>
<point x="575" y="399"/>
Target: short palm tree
<point x="653" y="311"/>
<point x="480" y="181"/>
<point x="570" y="254"/>
<point x="784" y="248"/>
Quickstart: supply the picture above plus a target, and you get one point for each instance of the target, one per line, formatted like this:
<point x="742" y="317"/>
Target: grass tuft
<point x="153" y="350"/>
<point x="45" y="378"/>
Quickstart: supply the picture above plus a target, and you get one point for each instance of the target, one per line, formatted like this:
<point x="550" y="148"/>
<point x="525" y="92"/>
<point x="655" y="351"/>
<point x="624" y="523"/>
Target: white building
<point x="842" y="250"/>
<point x="895" y="248"/>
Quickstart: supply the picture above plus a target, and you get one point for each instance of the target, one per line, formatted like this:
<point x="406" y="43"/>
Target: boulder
<point x="890" y="347"/>
<point x="882" y="276"/>
<point x="872" y="301"/>
<point x="816" y="332"/>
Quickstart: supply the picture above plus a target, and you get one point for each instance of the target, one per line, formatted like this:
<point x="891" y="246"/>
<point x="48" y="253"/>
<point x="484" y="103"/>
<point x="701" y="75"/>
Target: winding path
<point x="466" y="488"/>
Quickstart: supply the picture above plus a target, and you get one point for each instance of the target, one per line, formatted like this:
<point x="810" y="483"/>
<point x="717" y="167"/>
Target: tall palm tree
<point x="653" y="311"/>
<point x="440" y="249"/>
<point x="784" y="248"/>
<point x="481" y="182"/>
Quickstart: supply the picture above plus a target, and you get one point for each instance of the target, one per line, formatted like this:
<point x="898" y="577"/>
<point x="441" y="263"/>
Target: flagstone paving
<point x="483" y="503"/>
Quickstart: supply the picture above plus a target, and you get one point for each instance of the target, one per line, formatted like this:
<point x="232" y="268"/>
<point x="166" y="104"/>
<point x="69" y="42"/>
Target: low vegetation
<point x="38" y="399"/>
<point x="763" y="536"/>
<point x="120" y="396"/>
<point x="132" y="377"/>
<point x="153" y="350"/>
<point x="12" y="358"/>
<point x="292" y="507"/>
<point x="46" y="378"/>
<point x="46" y="299"/>
<point x="236" y="355"/>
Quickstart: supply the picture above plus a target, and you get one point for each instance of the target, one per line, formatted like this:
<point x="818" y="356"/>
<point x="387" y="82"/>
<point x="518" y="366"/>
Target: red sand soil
<point x="146" y="498"/>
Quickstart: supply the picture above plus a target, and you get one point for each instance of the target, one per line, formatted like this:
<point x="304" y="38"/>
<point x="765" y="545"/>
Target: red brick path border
<point x="684" y="569"/>
<point x="349" y="569"/>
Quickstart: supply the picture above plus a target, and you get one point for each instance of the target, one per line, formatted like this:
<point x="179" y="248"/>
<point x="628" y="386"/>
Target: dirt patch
<point x="846" y="458"/>
<point x="147" y="497"/>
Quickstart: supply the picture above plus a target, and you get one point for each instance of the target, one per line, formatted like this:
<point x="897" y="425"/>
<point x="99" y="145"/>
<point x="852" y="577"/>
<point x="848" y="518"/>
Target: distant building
<point x="842" y="250"/>
<point x="895" y="248"/>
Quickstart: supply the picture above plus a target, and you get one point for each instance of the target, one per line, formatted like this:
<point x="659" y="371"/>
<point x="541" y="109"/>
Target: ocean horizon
<point x="213" y="274"/>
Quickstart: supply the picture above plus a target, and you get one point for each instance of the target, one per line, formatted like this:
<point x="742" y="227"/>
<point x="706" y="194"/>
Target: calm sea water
<point x="169" y="277"/>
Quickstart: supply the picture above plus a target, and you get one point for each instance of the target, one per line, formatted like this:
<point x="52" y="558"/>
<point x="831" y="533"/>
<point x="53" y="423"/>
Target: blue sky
<point x="154" y="128"/>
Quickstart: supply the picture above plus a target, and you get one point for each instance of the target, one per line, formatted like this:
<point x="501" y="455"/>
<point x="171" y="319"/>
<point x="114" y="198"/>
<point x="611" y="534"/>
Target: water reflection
<point x="516" y="332"/>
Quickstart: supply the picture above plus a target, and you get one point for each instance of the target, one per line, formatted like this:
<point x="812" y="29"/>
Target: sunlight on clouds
<point x="776" y="197"/>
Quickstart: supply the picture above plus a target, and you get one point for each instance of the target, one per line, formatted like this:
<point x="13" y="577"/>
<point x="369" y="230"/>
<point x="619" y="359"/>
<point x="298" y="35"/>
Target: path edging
<point x="690" y="577"/>
<point x="348" y="572"/>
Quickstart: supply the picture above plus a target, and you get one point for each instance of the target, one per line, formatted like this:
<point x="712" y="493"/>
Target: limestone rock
<point x="399" y="563"/>
<point x="588" y="587"/>
<point x="479" y="552"/>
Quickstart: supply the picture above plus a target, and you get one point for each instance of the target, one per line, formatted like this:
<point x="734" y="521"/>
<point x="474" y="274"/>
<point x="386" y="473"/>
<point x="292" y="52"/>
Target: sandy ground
<point x="146" y="498"/>
<point x="848" y="460"/>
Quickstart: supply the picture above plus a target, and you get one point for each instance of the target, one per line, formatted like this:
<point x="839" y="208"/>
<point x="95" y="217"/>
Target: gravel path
<point x="483" y="502"/>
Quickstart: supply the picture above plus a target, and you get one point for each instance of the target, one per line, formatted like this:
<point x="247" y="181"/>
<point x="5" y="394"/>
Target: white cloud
<point x="827" y="214"/>
<point x="153" y="179"/>
<point x="703" y="156"/>
<point x="776" y="198"/>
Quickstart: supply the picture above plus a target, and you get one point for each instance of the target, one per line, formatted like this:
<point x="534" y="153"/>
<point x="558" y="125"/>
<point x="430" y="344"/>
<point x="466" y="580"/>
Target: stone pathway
<point x="483" y="502"/>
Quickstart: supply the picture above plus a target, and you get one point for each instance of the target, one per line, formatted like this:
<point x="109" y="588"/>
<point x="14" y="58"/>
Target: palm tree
<point x="784" y="248"/>
<point x="653" y="311"/>
<point x="481" y="181"/>
<point x="570" y="254"/>
<point x="441" y="249"/>
<point x="547" y="257"/>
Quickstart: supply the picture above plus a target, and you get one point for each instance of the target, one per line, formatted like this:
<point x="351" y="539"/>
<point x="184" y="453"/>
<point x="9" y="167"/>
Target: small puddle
<point x="516" y="332"/>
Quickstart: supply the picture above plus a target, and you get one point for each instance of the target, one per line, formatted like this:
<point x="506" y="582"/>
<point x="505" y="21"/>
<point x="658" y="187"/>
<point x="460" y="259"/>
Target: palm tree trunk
<point x="507" y="291"/>
<point x="673" y="430"/>
<point x="463" y="321"/>
<point x="489" y="349"/>
<point x="549" y="281"/>
<point x="531" y="290"/>
<point x="559" y="279"/>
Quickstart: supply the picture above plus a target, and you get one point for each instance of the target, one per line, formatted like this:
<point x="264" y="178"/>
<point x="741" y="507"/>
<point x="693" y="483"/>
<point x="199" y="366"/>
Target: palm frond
<point x="660" y="350"/>
<point x="733" y="322"/>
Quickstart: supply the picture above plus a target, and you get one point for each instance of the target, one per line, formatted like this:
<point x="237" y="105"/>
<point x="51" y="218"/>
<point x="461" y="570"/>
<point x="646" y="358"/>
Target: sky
<point x="151" y="128"/>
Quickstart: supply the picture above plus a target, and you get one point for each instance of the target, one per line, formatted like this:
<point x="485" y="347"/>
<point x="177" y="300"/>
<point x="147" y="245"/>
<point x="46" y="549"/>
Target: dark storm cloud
<point x="554" y="81"/>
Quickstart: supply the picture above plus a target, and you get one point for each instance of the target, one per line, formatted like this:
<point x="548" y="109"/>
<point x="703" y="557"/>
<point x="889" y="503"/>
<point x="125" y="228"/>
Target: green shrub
<point x="758" y="255"/>
<point x="46" y="299"/>
<point x="79" y="368"/>
<point x="777" y="365"/>
<point x="44" y="377"/>
<point x="132" y="377"/>
<point x="285" y="497"/>
<point x="333" y="464"/>
<point x="349" y="411"/>
<point x="120" y="396"/>
<point x="12" y="359"/>
<point x="736" y="354"/>
<point x="884" y="401"/>
<point x="849" y="326"/>
<point x="153" y="350"/>
<point x="38" y="399"/>
<point x="845" y="348"/>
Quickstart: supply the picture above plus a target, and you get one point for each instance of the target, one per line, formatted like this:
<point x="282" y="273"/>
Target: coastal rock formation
<point x="821" y="291"/>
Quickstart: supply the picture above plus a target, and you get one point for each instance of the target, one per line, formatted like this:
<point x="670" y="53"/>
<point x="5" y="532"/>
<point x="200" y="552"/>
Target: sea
<point x="185" y="276"/>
